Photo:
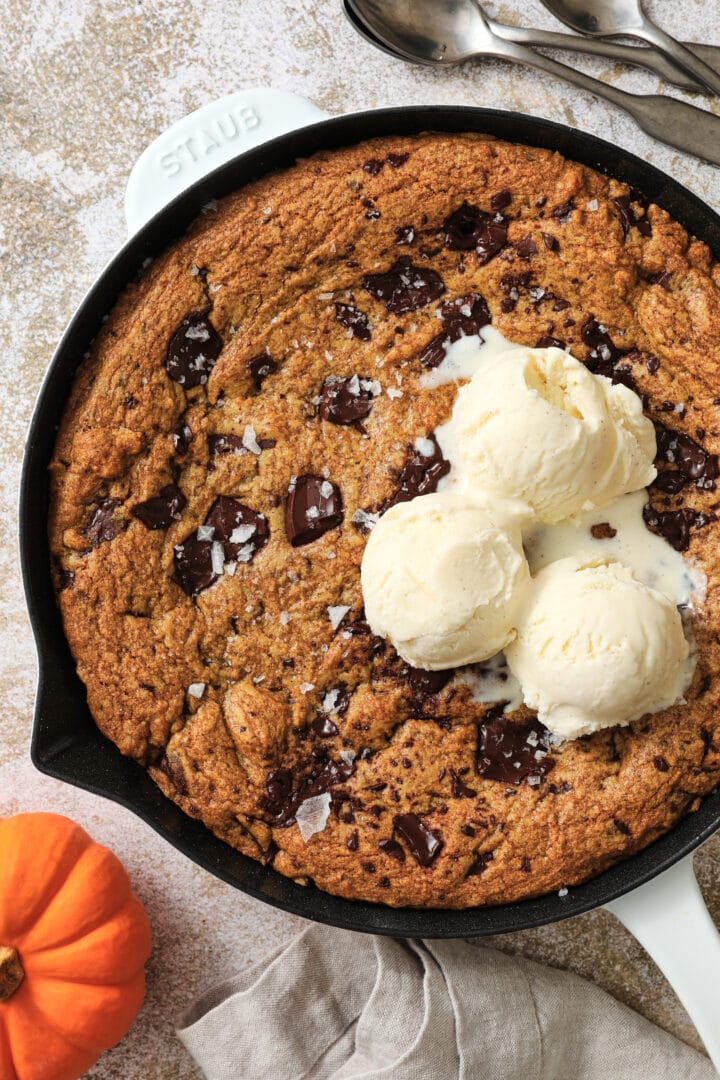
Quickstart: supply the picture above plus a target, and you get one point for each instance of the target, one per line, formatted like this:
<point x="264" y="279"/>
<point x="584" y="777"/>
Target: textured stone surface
<point x="86" y="84"/>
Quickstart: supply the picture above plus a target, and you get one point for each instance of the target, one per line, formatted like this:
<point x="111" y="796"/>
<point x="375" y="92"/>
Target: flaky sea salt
<point x="205" y="532"/>
<point x="306" y="687"/>
<point x="336" y="614"/>
<point x="593" y="204"/>
<point x="242" y="533"/>
<point x="425" y="447"/>
<point x="393" y="393"/>
<point x="365" y="519"/>
<point x="312" y="814"/>
<point x="196" y="689"/>
<point x="326" y="489"/>
<point x="563" y="891"/>
<point x="217" y="556"/>
<point x="249" y="440"/>
<point x="285" y="618"/>
<point x="348" y="756"/>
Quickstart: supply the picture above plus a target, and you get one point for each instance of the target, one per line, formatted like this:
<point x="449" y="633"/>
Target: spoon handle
<point x="625" y="54"/>
<point x="680" y="55"/>
<point x="665" y="118"/>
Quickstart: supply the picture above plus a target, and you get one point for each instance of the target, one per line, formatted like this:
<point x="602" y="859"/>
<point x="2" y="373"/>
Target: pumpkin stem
<point x="11" y="972"/>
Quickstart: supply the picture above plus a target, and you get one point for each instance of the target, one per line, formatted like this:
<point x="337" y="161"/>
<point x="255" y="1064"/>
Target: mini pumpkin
<point x="74" y="940"/>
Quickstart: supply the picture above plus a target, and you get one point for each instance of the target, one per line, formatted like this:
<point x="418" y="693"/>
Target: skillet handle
<point x="207" y="138"/>
<point x="669" y="918"/>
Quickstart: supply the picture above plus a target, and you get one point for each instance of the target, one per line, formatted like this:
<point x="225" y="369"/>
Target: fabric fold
<point x="334" y="1005"/>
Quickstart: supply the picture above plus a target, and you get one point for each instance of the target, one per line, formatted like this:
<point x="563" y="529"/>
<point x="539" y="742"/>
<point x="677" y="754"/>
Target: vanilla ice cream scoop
<point x="536" y="425"/>
<point x="444" y="578"/>
<point x="596" y="648"/>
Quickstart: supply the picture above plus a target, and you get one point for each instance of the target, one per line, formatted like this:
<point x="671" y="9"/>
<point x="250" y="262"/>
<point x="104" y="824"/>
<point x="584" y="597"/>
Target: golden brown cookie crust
<point x="267" y="267"/>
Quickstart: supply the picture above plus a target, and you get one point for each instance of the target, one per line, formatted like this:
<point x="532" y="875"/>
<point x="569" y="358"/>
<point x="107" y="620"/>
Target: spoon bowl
<point x="433" y="32"/>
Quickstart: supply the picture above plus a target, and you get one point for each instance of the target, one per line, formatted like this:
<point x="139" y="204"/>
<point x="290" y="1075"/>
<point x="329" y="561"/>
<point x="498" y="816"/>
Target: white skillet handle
<point x="669" y="918"/>
<point x="199" y="142"/>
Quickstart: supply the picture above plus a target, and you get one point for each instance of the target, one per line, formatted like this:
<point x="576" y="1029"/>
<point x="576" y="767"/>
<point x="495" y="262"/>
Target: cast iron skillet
<point x="66" y="743"/>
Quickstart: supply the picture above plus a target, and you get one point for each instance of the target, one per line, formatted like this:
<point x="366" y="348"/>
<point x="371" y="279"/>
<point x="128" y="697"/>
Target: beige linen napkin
<point x="334" y="1005"/>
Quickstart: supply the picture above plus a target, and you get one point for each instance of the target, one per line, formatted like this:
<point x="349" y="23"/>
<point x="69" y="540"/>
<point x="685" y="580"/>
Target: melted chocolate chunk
<point x="182" y="438"/>
<point x="285" y="803"/>
<point x="240" y="533"/>
<point x="501" y="200"/>
<point x="480" y="863"/>
<point x="675" y="525"/>
<point x="471" y="229"/>
<point x="604" y="353"/>
<point x="395" y="160"/>
<point x="692" y="459"/>
<point x="161" y="510"/>
<point x="625" y="206"/>
<point x="104" y="525"/>
<point x="192" y="351"/>
<point x="420" y="475"/>
<point x="356" y="321"/>
<point x="563" y="213"/>
<point x="671" y="483"/>
<point x="373" y="166"/>
<point x="462" y="317"/>
<point x="393" y="849"/>
<point x="404" y="234"/>
<point x="551" y="242"/>
<point x="314" y="505"/>
<point x="345" y="401"/>
<point x="511" y="752"/>
<point x="526" y="247"/>
<point x="424" y="844"/>
<point x="424" y="684"/>
<point x="260" y="367"/>
<point x="323" y="726"/>
<point x="279" y="787"/>
<point x="226" y="444"/>
<point x="459" y="788"/>
<point x="405" y="287"/>
<point x="549" y="342"/>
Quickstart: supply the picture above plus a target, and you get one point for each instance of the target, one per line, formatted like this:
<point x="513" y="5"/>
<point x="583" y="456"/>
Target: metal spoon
<point x="446" y="32"/>
<point x="625" y="18"/>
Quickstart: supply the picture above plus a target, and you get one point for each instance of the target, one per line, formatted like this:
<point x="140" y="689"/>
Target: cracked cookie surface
<point x="249" y="408"/>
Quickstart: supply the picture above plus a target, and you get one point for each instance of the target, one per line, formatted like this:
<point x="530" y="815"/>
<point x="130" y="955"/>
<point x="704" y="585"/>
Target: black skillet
<point x="66" y="743"/>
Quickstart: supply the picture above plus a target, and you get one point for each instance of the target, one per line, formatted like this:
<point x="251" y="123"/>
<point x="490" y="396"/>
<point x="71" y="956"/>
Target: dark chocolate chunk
<point x="161" y="510"/>
<point x="279" y="787"/>
<point x="395" y="160"/>
<point x="549" y="342"/>
<point x="462" y="317"/>
<point x="660" y="764"/>
<point x="393" y="849"/>
<point x="345" y="401"/>
<point x="241" y="531"/>
<point x="405" y="287"/>
<point x="671" y="483"/>
<point x="501" y="200"/>
<point x="471" y="229"/>
<point x="194" y="565"/>
<point x="675" y="525"/>
<point x="479" y="863"/>
<point x="604" y="353"/>
<point x="404" y="234"/>
<point x="510" y="752"/>
<point x="563" y="213"/>
<point x="284" y="806"/>
<point x="103" y="524"/>
<point x="373" y="166"/>
<point x="625" y="206"/>
<point x="314" y="505"/>
<point x="171" y="765"/>
<point x="424" y="683"/>
<point x="323" y="726"/>
<point x="424" y="844"/>
<point x="226" y="444"/>
<point x="192" y="351"/>
<point x="353" y="841"/>
<point x="182" y="437"/>
<point x="526" y="247"/>
<point x="551" y="242"/>
<point x="692" y="459"/>
<point x="459" y="788"/>
<point x="260" y="367"/>
<point x="420" y="475"/>
<point x="602" y="531"/>
<point x="525" y="865"/>
<point x="356" y="321"/>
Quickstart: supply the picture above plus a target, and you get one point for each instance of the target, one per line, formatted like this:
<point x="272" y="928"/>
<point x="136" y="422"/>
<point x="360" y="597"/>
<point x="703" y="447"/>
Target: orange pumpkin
<point x="74" y="940"/>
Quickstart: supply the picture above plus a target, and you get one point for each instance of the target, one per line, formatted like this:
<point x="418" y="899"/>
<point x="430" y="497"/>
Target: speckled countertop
<point x="85" y="85"/>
